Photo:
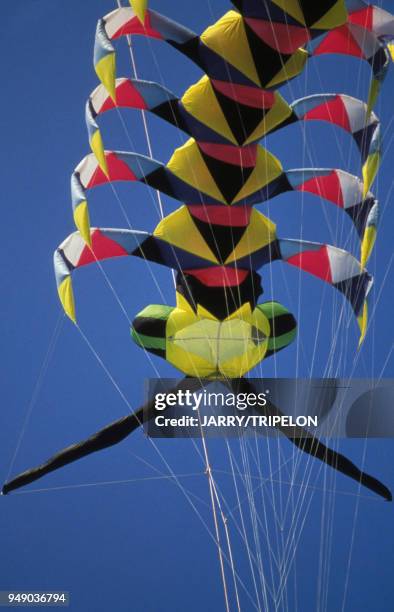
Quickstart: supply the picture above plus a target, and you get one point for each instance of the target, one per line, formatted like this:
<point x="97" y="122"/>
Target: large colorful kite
<point x="216" y="241"/>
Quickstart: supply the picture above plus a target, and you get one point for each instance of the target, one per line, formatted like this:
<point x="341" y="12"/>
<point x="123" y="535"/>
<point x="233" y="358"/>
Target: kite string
<point x="334" y="475"/>
<point x="244" y="534"/>
<point x="304" y="143"/>
<point x="37" y="387"/>
<point x="214" y="514"/>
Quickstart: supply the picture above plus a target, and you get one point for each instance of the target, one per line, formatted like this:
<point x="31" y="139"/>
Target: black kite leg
<point x="108" y="436"/>
<point x="309" y="444"/>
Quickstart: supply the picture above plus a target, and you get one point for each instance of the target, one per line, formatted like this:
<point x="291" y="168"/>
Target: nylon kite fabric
<point x="217" y="241"/>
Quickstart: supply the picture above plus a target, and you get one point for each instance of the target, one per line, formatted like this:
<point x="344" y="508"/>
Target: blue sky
<point x="145" y="545"/>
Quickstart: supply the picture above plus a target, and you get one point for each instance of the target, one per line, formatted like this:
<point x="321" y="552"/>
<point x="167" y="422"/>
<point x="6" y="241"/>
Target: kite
<point x="216" y="241"/>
